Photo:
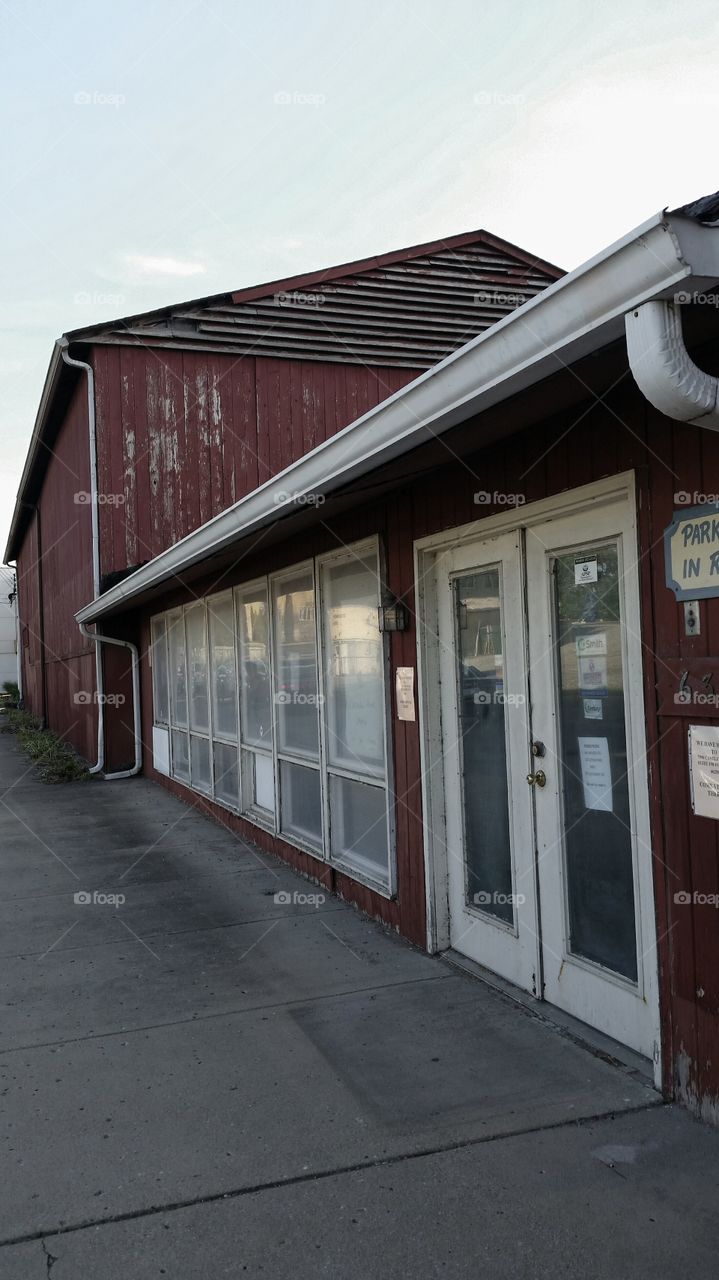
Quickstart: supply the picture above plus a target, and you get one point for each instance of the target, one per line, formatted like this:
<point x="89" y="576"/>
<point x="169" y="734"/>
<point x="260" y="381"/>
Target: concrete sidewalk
<point x="201" y="1080"/>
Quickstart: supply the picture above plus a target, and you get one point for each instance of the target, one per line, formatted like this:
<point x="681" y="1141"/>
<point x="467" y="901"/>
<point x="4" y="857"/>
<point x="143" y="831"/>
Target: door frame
<point x="430" y="554"/>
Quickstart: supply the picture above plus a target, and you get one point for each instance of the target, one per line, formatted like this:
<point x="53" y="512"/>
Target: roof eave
<point x="48" y="392"/>
<point x="582" y="312"/>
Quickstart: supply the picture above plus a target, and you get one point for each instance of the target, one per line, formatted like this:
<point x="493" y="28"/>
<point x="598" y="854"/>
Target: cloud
<point x="149" y="266"/>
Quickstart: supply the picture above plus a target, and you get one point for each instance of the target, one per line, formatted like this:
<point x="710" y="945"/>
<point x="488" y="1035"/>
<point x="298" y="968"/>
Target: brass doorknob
<point x="538" y="779"/>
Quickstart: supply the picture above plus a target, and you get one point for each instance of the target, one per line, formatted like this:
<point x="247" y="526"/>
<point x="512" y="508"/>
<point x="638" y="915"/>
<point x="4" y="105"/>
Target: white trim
<point x="619" y="488"/>
<point x="582" y="312"/>
<point x="428" y="553"/>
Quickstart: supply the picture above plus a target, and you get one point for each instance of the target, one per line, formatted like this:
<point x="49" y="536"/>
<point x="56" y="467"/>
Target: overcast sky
<point x="154" y="152"/>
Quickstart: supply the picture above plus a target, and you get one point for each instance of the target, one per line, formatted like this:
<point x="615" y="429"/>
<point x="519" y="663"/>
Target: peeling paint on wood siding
<point x="183" y="435"/>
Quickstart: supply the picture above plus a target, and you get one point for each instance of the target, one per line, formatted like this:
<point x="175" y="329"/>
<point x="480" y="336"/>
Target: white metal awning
<point x="581" y="313"/>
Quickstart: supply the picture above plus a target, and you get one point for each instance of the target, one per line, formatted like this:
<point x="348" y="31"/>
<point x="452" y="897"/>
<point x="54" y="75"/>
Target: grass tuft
<point x="56" y="761"/>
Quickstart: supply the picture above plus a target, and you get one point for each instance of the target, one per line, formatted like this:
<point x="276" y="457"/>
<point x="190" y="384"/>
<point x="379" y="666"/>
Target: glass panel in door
<point x="483" y="750"/>
<point x="599" y="874"/>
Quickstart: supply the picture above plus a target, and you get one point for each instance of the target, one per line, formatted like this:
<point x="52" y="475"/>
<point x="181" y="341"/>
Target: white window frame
<point x="296" y="757"/>
<point x="384" y="781"/>
<point x="215" y="734"/>
<point x="264" y="819"/>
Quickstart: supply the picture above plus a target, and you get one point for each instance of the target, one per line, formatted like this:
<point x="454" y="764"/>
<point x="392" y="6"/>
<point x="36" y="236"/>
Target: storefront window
<point x="253" y="631"/>
<point x="283" y="719"/>
<point x="355" y="716"/>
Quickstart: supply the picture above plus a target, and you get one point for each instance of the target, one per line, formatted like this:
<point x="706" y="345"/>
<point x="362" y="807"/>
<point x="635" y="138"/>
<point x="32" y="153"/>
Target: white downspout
<point x="18" y="631"/>
<point x="124" y="644"/>
<point x="94" y="635"/>
<point x="663" y="369"/>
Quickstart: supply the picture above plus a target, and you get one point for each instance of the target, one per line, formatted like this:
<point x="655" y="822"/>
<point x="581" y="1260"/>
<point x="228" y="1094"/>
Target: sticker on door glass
<point x="596" y="773"/>
<point x="593" y="708"/>
<point x="594" y="642"/>
<point x="585" y="571"/>
<point x="593" y="677"/>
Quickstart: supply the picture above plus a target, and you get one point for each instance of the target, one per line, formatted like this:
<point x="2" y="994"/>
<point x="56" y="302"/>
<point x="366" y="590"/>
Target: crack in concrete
<point x="320" y="1175"/>
<point x="50" y="1258"/>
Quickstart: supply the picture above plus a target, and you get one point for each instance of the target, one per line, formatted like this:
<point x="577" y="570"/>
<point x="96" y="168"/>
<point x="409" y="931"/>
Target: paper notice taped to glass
<point x="596" y="773"/>
<point x="404" y="693"/>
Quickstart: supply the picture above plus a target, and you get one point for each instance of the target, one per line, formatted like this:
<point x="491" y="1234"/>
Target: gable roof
<point x="411" y="307"/>
<point x="579" y="315"/>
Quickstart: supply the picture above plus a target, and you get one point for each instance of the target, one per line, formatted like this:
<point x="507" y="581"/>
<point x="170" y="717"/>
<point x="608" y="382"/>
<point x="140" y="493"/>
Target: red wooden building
<point x="371" y="564"/>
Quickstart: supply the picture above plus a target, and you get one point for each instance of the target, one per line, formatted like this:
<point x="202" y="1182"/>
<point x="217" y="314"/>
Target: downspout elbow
<point x="663" y="369"/>
<point x="137" y="727"/>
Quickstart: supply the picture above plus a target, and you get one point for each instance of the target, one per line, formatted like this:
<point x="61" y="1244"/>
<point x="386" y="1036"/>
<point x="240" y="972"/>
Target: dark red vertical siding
<point x="31" y="652"/>
<point x="55" y="570"/>
<point x="183" y="435"/>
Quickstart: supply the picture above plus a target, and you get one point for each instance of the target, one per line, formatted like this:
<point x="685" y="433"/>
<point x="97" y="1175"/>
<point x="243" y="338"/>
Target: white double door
<point x="549" y="866"/>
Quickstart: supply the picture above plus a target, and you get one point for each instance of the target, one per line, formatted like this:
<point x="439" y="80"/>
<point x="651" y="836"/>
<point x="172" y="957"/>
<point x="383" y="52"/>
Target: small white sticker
<point x="585" y="571"/>
<point x="594" y="643"/>
<point x="593" y="709"/>
<point x="593" y="675"/>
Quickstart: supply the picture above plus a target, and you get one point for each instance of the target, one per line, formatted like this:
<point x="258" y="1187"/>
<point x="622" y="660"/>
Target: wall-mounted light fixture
<point x="393" y="616"/>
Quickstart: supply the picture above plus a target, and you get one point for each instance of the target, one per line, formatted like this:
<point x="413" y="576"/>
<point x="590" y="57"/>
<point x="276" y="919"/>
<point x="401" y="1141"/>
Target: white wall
<point x="8" y="632"/>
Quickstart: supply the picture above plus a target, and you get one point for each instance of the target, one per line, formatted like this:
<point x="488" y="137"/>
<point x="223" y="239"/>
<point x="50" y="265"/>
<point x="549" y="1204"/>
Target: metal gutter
<point x="580" y="313"/>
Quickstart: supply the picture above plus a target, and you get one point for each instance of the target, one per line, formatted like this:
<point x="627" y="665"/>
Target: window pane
<point x="300" y="802"/>
<point x="358" y="820"/>
<point x="178" y="672"/>
<point x="180" y="757"/>
<point x="161" y="706"/>
<point x="197" y="664"/>
<point x="599" y="869"/>
<point x="482" y="735"/>
<point x="222" y="650"/>
<point x="226" y="778"/>
<point x="296" y="664"/>
<point x="258" y="782"/>
<point x="353" y="656"/>
<point x="255" y="689"/>
<point x="200" y="758"/>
